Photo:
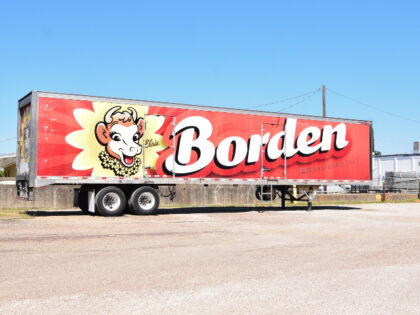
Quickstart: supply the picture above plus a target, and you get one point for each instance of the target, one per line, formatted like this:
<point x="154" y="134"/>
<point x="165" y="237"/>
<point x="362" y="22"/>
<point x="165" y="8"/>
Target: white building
<point x="409" y="162"/>
<point x="8" y="164"/>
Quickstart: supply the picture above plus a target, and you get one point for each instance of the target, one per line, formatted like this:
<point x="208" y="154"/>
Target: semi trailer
<point x="123" y="154"/>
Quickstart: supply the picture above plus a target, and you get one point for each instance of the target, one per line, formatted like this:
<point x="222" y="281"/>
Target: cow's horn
<point x="133" y="113"/>
<point x="110" y="113"/>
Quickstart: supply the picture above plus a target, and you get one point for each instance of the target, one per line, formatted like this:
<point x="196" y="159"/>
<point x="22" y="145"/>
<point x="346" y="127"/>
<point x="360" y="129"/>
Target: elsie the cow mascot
<point x="120" y="133"/>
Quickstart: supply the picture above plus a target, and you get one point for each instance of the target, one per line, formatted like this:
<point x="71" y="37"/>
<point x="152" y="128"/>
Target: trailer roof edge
<point x="192" y="106"/>
<point x="27" y="94"/>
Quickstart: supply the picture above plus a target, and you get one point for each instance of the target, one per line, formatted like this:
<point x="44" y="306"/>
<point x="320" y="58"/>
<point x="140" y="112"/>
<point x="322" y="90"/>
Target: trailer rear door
<point x="24" y="154"/>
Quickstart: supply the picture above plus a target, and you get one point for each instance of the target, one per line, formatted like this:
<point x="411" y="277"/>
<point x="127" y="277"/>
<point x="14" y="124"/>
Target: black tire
<point x="144" y="200"/>
<point x="265" y="197"/>
<point x="110" y="201"/>
<point x="83" y="201"/>
<point x="258" y="193"/>
<point x="130" y="206"/>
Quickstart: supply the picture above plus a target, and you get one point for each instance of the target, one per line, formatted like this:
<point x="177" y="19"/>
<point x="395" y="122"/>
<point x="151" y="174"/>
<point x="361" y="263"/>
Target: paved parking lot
<point x="343" y="259"/>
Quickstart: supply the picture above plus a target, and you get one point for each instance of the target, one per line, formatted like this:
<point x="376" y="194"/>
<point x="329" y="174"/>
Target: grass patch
<point x="14" y="214"/>
<point x="288" y="204"/>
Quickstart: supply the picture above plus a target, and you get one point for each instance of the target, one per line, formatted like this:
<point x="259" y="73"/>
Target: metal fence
<point x="402" y="181"/>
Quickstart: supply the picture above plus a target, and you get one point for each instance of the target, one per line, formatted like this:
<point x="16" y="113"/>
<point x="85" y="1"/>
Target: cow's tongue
<point x="128" y="159"/>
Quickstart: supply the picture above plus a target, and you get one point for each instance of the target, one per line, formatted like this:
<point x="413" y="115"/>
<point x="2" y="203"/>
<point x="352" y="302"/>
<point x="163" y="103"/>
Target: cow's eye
<point x="115" y="136"/>
<point x="136" y="137"/>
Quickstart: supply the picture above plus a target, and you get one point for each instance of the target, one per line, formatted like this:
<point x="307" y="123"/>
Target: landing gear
<point x="310" y="195"/>
<point x="309" y="208"/>
<point x="291" y="193"/>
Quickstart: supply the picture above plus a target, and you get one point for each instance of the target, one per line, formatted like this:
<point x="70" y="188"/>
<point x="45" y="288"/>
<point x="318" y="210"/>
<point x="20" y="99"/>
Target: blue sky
<point x="224" y="53"/>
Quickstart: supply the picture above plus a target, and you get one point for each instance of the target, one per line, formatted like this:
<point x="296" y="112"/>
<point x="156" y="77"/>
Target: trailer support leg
<point x="310" y="198"/>
<point x="91" y="200"/>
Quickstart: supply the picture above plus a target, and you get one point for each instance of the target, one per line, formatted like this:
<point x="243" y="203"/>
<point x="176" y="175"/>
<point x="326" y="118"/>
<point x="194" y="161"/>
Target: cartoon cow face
<point x="120" y="133"/>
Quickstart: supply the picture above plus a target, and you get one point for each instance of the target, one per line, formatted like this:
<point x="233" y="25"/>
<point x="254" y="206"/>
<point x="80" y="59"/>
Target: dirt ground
<point x="335" y="259"/>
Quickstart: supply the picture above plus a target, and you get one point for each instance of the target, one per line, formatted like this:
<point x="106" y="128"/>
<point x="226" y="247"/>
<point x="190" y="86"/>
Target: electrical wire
<point x="374" y="107"/>
<point x="287" y="99"/>
<point x="299" y="102"/>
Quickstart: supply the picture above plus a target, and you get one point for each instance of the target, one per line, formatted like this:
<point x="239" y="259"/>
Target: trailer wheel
<point x="110" y="201"/>
<point x="145" y="200"/>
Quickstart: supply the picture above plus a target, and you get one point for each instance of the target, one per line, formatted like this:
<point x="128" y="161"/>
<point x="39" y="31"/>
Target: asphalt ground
<point x="355" y="259"/>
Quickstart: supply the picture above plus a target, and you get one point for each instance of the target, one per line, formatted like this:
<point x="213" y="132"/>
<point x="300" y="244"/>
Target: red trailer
<point x="121" y="151"/>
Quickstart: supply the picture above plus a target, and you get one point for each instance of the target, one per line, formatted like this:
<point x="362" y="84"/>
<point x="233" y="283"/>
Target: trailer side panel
<point x="99" y="139"/>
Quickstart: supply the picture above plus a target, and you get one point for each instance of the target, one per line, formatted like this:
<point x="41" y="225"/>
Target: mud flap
<point x="91" y="200"/>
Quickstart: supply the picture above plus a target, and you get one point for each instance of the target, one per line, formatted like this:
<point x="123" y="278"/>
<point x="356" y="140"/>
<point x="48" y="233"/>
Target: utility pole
<point x="324" y="109"/>
<point x="324" y="114"/>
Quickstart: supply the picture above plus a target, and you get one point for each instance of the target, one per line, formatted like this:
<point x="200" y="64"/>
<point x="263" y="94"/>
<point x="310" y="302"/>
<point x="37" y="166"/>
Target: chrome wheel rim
<point x="111" y="201"/>
<point x="146" y="201"/>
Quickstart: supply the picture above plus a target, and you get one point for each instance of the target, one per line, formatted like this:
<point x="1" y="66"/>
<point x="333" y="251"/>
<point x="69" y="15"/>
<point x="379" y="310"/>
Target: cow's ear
<point x="140" y="126"/>
<point x="102" y="133"/>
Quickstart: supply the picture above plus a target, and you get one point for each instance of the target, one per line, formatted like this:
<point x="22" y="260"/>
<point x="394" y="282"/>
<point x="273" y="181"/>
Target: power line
<point x="301" y="101"/>
<point x="374" y="107"/>
<point x="286" y="99"/>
